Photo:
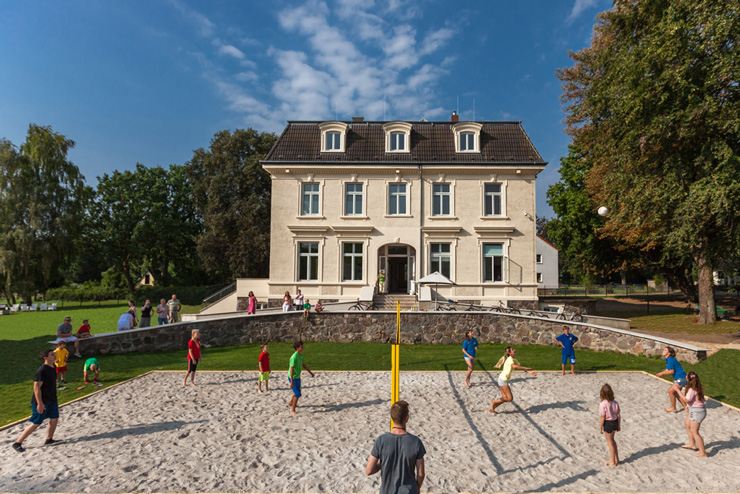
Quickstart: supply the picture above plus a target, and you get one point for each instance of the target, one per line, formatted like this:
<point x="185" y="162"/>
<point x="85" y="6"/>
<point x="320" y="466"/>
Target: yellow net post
<point x="396" y="358"/>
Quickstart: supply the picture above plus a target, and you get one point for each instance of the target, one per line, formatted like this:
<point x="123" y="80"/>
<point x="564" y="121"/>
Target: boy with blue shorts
<point x="566" y="341"/>
<point x="44" y="401"/>
<point x="294" y="374"/>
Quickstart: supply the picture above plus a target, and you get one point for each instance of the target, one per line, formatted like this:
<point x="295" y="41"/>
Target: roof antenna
<point x="473" y="109"/>
<point x="458" y="104"/>
<point x="385" y="118"/>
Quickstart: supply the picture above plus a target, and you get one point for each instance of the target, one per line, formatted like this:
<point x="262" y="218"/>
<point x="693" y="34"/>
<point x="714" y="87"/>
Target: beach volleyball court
<point x="152" y="435"/>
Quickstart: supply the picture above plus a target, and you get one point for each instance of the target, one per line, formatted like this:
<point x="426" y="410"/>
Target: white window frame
<point x="330" y="127"/>
<point x="538" y="259"/>
<point x="504" y="261"/>
<point x="405" y="195"/>
<point x="308" y="256"/>
<point x="504" y="187"/>
<point x="449" y="193"/>
<point x="392" y="128"/>
<point x="463" y="128"/>
<point x="539" y="278"/>
<point x="499" y="194"/>
<point x="352" y="256"/>
<point x="317" y="194"/>
<point x="467" y="142"/>
<point x="361" y="194"/>
<point x="440" y="256"/>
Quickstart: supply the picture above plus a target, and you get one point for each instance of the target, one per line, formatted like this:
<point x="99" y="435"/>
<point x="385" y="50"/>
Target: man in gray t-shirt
<point x="397" y="455"/>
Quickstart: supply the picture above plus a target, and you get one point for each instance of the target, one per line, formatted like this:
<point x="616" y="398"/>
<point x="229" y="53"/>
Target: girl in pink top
<point x="252" y="303"/>
<point x="697" y="412"/>
<point x="610" y="422"/>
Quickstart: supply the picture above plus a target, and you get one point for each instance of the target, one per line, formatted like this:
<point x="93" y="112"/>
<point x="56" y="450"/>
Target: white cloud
<point x="354" y="59"/>
<point x="579" y="7"/>
<point x="231" y="50"/>
<point x="204" y="26"/>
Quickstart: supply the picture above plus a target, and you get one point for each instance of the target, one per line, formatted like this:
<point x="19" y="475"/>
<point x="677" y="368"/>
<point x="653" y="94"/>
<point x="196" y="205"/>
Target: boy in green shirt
<point x="294" y="374"/>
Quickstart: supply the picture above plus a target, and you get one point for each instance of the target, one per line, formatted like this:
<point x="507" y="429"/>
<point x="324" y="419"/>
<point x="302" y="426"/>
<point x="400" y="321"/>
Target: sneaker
<point x="51" y="442"/>
<point x="18" y="447"/>
<point x="61" y="388"/>
<point x="78" y="355"/>
<point x="64" y="382"/>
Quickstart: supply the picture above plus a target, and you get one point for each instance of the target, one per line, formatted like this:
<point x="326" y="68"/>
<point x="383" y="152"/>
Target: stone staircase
<point x="387" y="301"/>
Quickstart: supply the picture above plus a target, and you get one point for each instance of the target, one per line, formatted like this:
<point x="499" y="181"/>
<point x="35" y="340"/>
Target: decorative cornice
<point x="493" y="230"/>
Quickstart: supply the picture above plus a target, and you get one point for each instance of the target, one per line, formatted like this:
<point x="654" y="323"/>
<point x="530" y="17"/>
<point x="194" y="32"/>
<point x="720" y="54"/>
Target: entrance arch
<point x="398" y="261"/>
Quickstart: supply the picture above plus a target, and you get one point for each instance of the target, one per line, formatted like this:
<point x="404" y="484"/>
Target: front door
<point x="398" y="268"/>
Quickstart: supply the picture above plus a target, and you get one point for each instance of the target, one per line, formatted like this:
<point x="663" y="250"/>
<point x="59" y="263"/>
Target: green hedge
<point x="188" y="295"/>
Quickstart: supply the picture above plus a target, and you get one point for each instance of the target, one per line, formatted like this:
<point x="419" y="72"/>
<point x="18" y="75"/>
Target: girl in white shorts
<point x="509" y="363"/>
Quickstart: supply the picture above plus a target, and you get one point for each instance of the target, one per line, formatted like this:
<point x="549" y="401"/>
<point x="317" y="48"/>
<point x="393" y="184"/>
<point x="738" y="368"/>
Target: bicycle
<point x="363" y="306"/>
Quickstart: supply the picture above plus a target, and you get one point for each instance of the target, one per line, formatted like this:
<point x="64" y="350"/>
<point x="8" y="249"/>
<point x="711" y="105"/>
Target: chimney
<point x="358" y="119"/>
<point x="455" y="117"/>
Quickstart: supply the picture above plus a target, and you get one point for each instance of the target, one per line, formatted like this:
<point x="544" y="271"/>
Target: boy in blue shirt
<point x="673" y="368"/>
<point x="470" y="346"/>
<point x="566" y="341"/>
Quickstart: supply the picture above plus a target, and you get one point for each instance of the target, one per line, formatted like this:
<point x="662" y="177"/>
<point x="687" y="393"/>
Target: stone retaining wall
<point x="417" y="327"/>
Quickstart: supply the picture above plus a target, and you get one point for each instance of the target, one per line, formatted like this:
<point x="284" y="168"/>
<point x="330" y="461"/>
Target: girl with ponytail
<point x="509" y="363"/>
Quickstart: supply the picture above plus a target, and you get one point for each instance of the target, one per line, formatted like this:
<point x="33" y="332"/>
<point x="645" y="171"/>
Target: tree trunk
<point x="623" y="276"/>
<point x="707" y="313"/>
<point x="127" y="277"/>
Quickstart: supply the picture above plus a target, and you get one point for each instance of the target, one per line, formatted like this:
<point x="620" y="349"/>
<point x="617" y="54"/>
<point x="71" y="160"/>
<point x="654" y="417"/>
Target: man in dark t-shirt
<point x="397" y="454"/>
<point x="44" y="401"/>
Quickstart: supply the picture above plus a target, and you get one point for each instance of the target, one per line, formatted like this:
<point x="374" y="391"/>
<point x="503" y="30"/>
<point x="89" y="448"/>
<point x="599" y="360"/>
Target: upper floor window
<point x="396" y="198"/>
<point x="492" y="199"/>
<point x="333" y="141"/>
<point x="440" y="258"/>
<point x="333" y="137"/>
<point x="441" y="199"/>
<point x="539" y="258"/>
<point x="539" y="277"/>
<point x="398" y="141"/>
<point x="467" y="137"/>
<point x="493" y="262"/>
<point x="397" y="137"/>
<point x="310" y="198"/>
<point x="467" y="141"/>
<point x="352" y="199"/>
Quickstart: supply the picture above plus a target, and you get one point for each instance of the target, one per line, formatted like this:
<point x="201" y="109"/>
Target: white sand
<point x="152" y="435"/>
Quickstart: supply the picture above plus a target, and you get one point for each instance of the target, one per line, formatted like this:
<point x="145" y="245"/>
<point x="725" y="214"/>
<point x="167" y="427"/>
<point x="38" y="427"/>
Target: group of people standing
<point x="168" y="312"/>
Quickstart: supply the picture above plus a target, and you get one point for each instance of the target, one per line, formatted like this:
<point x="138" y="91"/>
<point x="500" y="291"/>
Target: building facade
<point x="547" y="265"/>
<point x="352" y="198"/>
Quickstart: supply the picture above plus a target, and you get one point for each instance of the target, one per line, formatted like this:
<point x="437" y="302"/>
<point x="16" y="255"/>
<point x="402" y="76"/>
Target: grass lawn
<point x="680" y="323"/>
<point x="103" y="318"/>
<point x="20" y="362"/>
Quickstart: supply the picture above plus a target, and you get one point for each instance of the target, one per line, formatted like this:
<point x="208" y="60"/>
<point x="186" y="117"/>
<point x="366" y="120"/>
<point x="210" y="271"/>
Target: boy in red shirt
<point x="84" y="331"/>
<point x="264" y="366"/>
<point x="193" y="357"/>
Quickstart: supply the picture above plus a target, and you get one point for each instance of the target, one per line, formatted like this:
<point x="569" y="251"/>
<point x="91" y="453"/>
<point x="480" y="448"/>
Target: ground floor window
<point x="440" y="258"/>
<point x="308" y="261"/>
<point x="352" y="261"/>
<point x="493" y="262"/>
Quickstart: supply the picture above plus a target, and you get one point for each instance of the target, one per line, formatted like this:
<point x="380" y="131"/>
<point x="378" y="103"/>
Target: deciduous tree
<point x="655" y="102"/>
<point x="232" y="195"/>
<point x="42" y="197"/>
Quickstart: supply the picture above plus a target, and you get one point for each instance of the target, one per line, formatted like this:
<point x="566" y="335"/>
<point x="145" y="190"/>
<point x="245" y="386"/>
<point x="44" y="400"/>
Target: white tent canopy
<point x="435" y="278"/>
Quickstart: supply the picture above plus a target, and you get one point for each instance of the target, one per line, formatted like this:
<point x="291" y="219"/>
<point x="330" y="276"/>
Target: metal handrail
<point x="224" y="292"/>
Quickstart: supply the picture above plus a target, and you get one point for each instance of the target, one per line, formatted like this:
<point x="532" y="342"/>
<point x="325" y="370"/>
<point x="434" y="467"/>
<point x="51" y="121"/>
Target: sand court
<point x="152" y="435"/>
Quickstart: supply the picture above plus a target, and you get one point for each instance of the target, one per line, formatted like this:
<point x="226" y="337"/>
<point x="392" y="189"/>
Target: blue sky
<point x="149" y="81"/>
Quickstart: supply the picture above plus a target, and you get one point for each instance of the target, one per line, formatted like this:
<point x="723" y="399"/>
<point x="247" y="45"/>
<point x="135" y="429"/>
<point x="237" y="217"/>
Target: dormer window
<point x="467" y="137"/>
<point x="397" y="137"/>
<point x="467" y="141"/>
<point x="333" y="137"/>
<point x="397" y="141"/>
<point x="333" y="141"/>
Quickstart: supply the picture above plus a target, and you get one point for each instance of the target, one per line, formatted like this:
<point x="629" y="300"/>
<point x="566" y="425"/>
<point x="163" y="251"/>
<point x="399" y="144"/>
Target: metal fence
<point x="612" y="290"/>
